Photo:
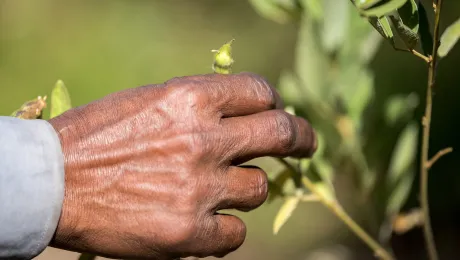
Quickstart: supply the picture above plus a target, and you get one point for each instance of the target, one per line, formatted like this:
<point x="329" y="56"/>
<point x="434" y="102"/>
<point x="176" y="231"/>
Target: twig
<point x="438" y="156"/>
<point x="427" y="230"/>
<point x="416" y="53"/>
<point x="309" y="198"/>
<point x="335" y="207"/>
<point x="423" y="57"/>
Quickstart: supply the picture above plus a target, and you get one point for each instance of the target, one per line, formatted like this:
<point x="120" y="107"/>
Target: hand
<point x="148" y="168"/>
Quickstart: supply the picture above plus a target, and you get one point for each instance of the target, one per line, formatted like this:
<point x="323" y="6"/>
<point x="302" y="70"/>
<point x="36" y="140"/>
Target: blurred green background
<point x="98" y="47"/>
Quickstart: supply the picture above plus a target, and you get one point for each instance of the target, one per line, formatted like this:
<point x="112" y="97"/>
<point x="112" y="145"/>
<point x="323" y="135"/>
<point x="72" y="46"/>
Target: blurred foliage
<point x="332" y="85"/>
<point x="449" y="38"/>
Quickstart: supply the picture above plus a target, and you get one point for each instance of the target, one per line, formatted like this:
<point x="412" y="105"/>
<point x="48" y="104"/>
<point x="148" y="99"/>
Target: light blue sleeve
<point x="31" y="186"/>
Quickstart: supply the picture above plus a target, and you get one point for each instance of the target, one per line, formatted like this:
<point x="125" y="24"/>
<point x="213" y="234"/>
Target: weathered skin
<point x="147" y="168"/>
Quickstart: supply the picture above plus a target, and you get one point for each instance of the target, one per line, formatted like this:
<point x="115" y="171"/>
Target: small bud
<point x="223" y="59"/>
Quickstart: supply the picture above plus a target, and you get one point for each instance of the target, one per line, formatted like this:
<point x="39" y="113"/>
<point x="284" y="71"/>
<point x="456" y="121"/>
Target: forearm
<point x="31" y="186"/>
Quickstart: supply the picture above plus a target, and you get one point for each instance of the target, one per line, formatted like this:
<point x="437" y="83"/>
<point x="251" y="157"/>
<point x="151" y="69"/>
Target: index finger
<point x="235" y="94"/>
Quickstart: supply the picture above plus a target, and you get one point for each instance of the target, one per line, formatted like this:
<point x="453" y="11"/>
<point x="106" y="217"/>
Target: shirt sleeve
<point x="31" y="186"/>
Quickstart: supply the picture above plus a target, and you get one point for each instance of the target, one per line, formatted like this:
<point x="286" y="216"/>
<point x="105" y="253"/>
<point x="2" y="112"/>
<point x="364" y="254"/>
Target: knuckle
<point x="260" y="186"/>
<point x="264" y="91"/>
<point x="190" y="92"/>
<point x="285" y="130"/>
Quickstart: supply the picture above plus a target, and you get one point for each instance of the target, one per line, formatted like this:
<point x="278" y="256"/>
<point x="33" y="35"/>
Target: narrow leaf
<point x="425" y="32"/>
<point x="321" y="144"/>
<point x="365" y="4"/>
<point x="399" y="107"/>
<point x="304" y="165"/>
<point x="382" y="25"/>
<point x="326" y="173"/>
<point x="271" y="10"/>
<point x="285" y="213"/>
<point x="289" y="89"/>
<point x="400" y="193"/>
<point x="409" y="15"/>
<point x="360" y="95"/>
<point x="60" y="99"/>
<point x="409" y="37"/>
<point x="449" y="38"/>
<point x="335" y="24"/>
<point x="313" y="8"/>
<point x="311" y="65"/>
<point x="276" y="186"/>
<point x="325" y="191"/>
<point x="404" y="153"/>
<point x="383" y="8"/>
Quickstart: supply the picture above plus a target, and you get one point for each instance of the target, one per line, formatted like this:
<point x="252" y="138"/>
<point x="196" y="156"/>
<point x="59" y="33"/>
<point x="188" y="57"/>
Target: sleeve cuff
<point x="31" y="186"/>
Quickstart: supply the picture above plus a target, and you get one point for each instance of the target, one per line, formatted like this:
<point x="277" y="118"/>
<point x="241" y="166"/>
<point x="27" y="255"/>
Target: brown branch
<point x="421" y="56"/>
<point x="426" y="122"/>
<point x="437" y="156"/>
<point x="339" y="212"/>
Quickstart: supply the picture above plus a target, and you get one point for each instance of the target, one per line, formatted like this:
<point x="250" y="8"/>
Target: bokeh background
<point x="99" y="47"/>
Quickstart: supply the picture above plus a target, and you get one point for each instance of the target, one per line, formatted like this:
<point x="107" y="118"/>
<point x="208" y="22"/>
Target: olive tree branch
<point x="339" y="212"/>
<point x="426" y="122"/>
<point x="437" y="156"/>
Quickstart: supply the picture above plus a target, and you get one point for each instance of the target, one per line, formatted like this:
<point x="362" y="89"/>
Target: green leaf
<point x="382" y="25"/>
<point x="425" y="32"/>
<point x="281" y="12"/>
<point x="409" y="37"/>
<point x="409" y="15"/>
<point x="313" y="8"/>
<point x="305" y="165"/>
<point x="400" y="193"/>
<point x="404" y="153"/>
<point x="357" y="91"/>
<point x="363" y="93"/>
<point x="289" y="89"/>
<point x="285" y="213"/>
<point x="449" y="38"/>
<point x="400" y="107"/>
<point x="335" y="24"/>
<point x="60" y="99"/>
<point x="276" y="186"/>
<point x="383" y="8"/>
<point x="326" y="191"/>
<point x="326" y="173"/>
<point x="311" y="62"/>
<point x="361" y="42"/>
<point x="365" y="4"/>
<point x="321" y="142"/>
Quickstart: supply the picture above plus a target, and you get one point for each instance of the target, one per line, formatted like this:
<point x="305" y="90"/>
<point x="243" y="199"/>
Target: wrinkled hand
<point x="147" y="168"/>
